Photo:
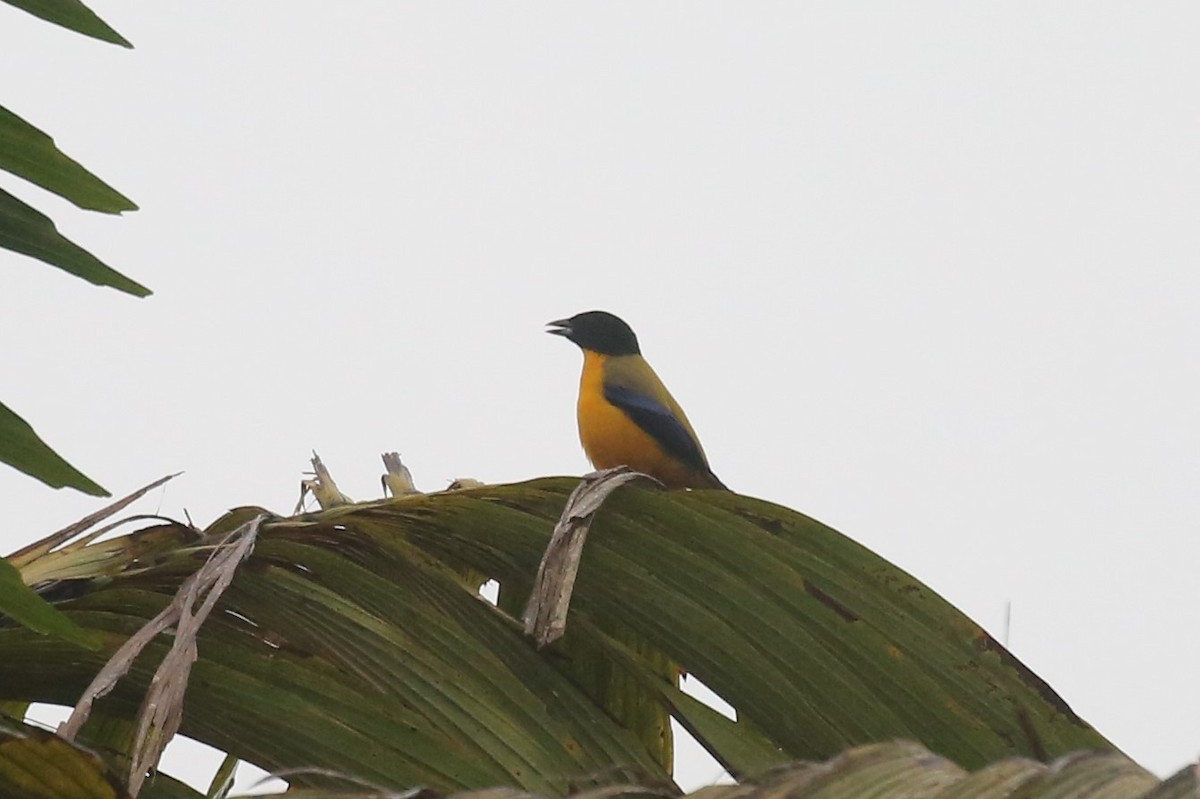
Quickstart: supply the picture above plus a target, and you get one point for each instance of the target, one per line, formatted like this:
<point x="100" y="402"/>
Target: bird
<point x="626" y="415"/>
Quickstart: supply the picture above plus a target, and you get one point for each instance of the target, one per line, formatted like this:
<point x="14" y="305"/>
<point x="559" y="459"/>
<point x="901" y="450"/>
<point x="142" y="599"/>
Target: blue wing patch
<point x="657" y="420"/>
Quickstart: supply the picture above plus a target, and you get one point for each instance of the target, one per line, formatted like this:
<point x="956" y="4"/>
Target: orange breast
<point x="610" y="438"/>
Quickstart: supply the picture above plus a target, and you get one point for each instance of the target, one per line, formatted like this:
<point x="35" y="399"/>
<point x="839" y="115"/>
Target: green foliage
<point x="29" y="153"/>
<point x="29" y="232"/>
<point x="19" y="603"/>
<point x="350" y="644"/>
<point x="71" y="14"/>
<point x="21" y="448"/>
<point x="35" y="764"/>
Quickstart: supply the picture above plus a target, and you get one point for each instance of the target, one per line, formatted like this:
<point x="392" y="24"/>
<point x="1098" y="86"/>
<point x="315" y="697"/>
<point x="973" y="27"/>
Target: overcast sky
<point x="927" y="272"/>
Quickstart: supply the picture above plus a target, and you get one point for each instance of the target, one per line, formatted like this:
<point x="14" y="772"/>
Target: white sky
<point x="926" y="272"/>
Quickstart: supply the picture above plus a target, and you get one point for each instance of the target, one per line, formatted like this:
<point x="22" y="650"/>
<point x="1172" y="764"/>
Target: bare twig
<point x="398" y="479"/>
<point x="162" y="707"/>
<point x="464" y="483"/>
<point x="546" y="613"/>
<point x="39" y="548"/>
<point x="323" y="489"/>
<point x="83" y="542"/>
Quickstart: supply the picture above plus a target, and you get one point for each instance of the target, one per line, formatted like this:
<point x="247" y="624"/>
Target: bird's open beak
<point x="562" y="327"/>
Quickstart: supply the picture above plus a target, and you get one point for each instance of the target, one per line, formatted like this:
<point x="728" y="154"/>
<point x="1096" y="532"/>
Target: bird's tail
<point x="715" y="482"/>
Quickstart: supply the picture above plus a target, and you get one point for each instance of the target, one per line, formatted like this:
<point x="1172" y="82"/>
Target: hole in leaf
<point x="195" y="763"/>
<point x="185" y="759"/>
<point x="48" y="716"/>
<point x="693" y="687"/>
<point x="695" y="768"/>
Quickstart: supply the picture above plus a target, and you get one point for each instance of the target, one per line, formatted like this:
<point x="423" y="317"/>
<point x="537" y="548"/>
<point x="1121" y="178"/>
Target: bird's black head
<point x="598" y="331"/>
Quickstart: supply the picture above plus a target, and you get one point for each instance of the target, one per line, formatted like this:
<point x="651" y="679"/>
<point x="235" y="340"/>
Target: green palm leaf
<point x="23" y="449"/>
<point x="73" y="15"/>
<point x="350" y="643"/>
